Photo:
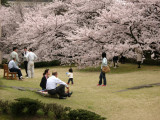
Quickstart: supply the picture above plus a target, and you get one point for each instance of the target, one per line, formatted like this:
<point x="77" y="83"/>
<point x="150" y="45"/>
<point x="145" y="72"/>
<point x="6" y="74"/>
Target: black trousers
<point x="60" y="90"/>
<point x="16" y="70"/>
<point x="139" y="64"/>
<point x="70" y="79"/>
<point x="25" y="67"/>
<point x="102" y="76"/>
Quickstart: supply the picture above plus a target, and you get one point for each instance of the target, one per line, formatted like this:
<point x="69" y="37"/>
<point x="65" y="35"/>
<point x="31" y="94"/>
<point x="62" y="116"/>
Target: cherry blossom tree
<point x="79" y="31"/>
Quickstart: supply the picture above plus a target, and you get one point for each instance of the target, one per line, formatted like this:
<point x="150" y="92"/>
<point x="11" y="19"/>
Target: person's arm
<point x="67" y="89"/>
<point x="61" y="82"/>
<point x="17" y="59"/>
<point x="69" y="74"/>
<point x="14" y="65"/>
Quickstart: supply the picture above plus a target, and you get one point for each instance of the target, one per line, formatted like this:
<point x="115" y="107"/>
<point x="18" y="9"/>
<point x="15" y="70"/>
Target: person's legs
<point x="69" y="81"/>
<point x="104" y="78"/>
<point x="32" y="70"/>
<point x="52" y="92"/>
<point x="61" y="91"/>
<point x="29" y="70"/>
<point x="25" y="67"/>
<point x="100" y="78"/>
<point x="139" y="64"/>
<point x="16" y="70"/>
<point x="72" y="80"/>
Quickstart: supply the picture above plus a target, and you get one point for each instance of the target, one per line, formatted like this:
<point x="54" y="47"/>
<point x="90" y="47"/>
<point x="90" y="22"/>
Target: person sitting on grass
<point x="70" y="75"/>
<point x="53" y="89"/>
<point x="44" y="79"/>
<point x="14" y="68"/>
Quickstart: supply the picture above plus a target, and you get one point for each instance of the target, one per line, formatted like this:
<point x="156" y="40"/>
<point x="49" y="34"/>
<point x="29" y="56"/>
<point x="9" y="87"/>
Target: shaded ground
<point x="140" y="87"/>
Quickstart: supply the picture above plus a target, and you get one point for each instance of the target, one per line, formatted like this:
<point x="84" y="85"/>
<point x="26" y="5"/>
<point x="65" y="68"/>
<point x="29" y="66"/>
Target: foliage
<point x="79" y="31"/>
<point x="46" y="64"/>
<point x="25" y="106"/>
<point x="59" y="111"/>
<point x="4" y="106"/>
<point x="81" y="114"/>
<point x="4" y="2"/>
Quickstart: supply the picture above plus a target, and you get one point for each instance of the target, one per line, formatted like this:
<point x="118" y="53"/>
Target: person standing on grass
<point x="31" y="57"/>
<point x="44" y="79"/>
<point x="53" y="89"/>
<point x="70" y="75"/>
<point x="25" y="60"/>
<point x="115" y="60"/>
<point x="139" y="52"/>
<point x="102" y="74"/>
<point x="14" y="54"/>
<point x="14" y="68"/>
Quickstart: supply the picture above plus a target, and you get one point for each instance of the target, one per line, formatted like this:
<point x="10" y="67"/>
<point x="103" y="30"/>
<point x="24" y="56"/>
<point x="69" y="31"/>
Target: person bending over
<point x="44" y="79"/>
<point x="53" y="89"/>
<point x="14" y="68"/>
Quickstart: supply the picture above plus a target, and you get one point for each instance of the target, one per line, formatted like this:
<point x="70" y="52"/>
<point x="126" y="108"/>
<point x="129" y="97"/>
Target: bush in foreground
<point x="29" y="107"/>
<point x="25" y="106"/>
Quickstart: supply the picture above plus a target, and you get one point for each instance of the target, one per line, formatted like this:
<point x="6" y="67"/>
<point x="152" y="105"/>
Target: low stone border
<point x="21" y="88"/>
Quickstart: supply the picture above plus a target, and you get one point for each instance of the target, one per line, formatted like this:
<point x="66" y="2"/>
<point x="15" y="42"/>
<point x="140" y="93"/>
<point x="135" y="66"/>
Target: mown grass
<point x="142" y="104"/>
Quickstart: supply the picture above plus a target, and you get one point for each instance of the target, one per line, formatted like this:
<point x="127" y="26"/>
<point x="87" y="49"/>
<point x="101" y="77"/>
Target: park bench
<point x="7" y="74"/>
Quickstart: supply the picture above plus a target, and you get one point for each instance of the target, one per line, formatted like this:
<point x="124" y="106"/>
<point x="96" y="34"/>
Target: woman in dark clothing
<point x="44" y="79"/>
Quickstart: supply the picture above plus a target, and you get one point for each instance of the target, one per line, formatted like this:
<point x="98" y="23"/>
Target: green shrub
<point x="151" y="62"/>
<point x="25" y="106"/>
<point x="4" y="106"/>
<point x="46" y="109"/>
<point x="60" y="112"/>
<point x="81" y="114"/>
<point x="47" y="64"/>
<point x="145" y="62"/>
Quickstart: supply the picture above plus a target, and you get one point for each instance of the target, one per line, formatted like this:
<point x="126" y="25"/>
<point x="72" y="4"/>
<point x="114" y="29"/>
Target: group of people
<point x="49" y="84"/>
<point x="28" y="58"/>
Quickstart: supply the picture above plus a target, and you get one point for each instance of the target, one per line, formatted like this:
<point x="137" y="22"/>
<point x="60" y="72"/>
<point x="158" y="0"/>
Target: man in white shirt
<point x="14" y="68"/>
<point x="31" y="57"/>
<point x="14" y="55"/>
<point x="24" y="54"/>
<point x="52" y="88"/>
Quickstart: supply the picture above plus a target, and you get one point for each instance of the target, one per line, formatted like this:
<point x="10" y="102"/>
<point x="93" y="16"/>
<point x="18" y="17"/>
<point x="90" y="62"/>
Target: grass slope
<point x="142" y="104"/>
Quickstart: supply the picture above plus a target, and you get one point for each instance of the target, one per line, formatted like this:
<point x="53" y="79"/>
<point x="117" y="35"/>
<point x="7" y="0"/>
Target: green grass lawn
<point x="141" y="104"/>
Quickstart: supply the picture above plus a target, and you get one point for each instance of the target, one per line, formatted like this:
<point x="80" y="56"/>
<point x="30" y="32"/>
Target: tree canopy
<point x="79" y="31"/>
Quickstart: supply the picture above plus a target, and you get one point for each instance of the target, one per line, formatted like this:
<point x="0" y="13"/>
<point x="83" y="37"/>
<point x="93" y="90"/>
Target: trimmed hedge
<point x="47" y="64"/>
<point x="145" y="62"/>
<point x="25" y="106"/>
<point x="81" y="114"/>
<point x="29" y="107"/>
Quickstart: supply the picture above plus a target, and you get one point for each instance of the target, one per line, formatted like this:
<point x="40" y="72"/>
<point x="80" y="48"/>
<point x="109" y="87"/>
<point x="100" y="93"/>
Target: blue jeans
<point x="102" y="76"/>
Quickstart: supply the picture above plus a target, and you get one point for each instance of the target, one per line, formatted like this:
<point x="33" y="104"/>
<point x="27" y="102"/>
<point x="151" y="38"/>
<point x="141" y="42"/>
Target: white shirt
<point x="31" y="56"/>
<point x="25" y="55"/>
<point x="70" y="75"/>
<point x="53" y="81"/>
<point x="104" y="62"/>
<point x="14" y="55"/>
<point x="12" y="64"/>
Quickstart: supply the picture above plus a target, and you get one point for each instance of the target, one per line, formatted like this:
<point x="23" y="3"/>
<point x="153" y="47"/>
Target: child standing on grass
<point x="70" y="75"/>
